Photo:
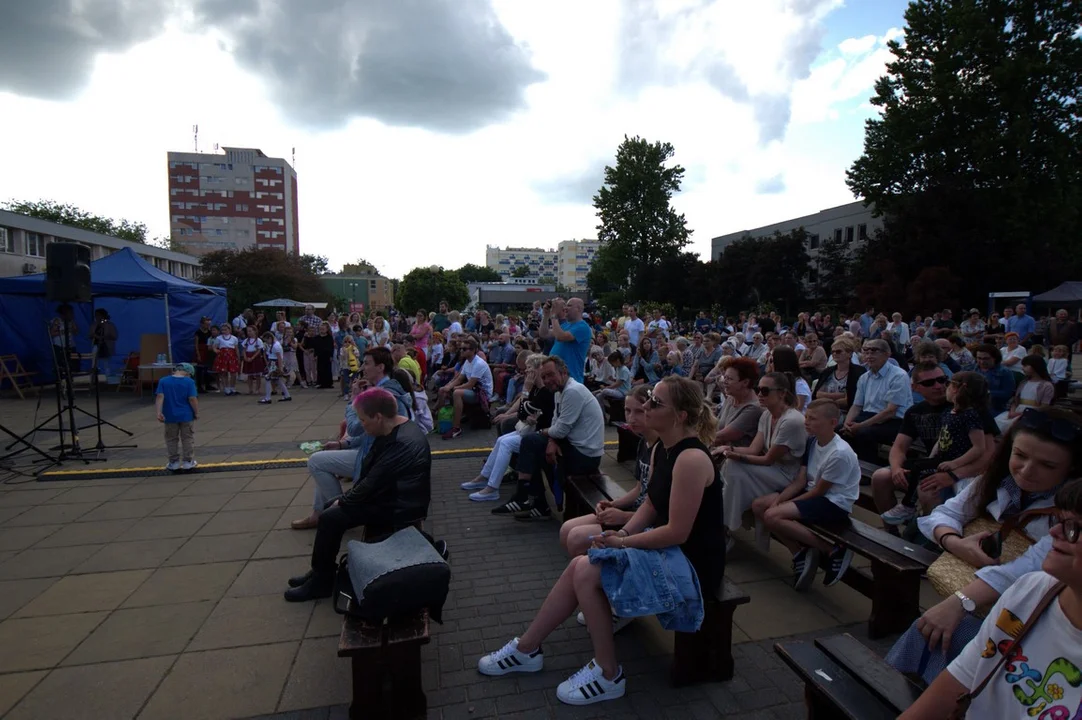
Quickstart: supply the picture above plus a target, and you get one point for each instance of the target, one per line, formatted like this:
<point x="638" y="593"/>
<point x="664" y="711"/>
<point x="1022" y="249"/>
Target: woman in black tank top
<point x="668" y="555"/>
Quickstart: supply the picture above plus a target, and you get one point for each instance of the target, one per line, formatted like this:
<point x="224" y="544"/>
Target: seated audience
<point x="960" y="442"/>
<point x="1042" y="452"/>
<point x="757" y="349"/>
<point x="1035" y="390"/>
<point x="1000" y="380"/>
<point x="738" y="421"/>
<point x="645" y="366"/>
<point x="961" y="354"/>
<point x="392" y="490"/>
<point x="683" y="510"/>
<point x="1058" y="369"/>
<point x="1050" y="645"/>
<point x="822" y="493"/>
<point x="838" y="382"/>
<point x="930" y="351"/>
<point x="772" y="460"/>
<point x="618" y="387"/>
<point x="882" y="397"/>
<point x="708" y="358"/>
<point x="813" y="360"/>
<point x="1012" y="353"/>
<point x="784" y="360"/>
<point x="472" y="385"/>
<point x="973" y="328"/>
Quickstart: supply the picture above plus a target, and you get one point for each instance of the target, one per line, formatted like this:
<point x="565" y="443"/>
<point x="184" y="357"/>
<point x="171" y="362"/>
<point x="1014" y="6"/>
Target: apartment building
<point x="375" y="292"/>
<point x="567" y="265"/>
<point x="574" y="260"/>
<point x="232" y="200"/>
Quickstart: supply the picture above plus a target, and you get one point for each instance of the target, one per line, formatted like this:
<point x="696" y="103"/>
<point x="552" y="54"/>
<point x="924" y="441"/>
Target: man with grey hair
<point x="572" y="334"/>
<point x="881" y="399"/>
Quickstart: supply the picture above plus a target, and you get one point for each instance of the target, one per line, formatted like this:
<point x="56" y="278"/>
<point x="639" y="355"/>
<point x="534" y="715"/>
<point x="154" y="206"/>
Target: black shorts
<point x="820" y="511"/>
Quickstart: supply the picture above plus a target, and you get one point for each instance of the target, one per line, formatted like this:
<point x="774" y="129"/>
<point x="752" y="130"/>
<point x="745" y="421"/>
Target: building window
<point x="35" y="245"/>
<point x="372" y="284"/>
<point x="837" y="235"/>
<point x="241" y="181"/>
<point x="849" y="234"/>
<point x="862" y="231"/>
<point x="242" y="207"/>
<point x="813" y="241"/>
<point x="7" y="241"/>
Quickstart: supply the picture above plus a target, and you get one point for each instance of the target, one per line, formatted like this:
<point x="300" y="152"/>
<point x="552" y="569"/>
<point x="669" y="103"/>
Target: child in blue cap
<point x="178" y="408"/>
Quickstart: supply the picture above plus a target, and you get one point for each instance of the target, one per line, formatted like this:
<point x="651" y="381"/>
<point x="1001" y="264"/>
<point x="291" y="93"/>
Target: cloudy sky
<point x="427" y="129"/>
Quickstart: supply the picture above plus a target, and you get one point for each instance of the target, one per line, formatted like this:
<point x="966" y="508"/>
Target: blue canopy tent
<point x="139" y="297"/>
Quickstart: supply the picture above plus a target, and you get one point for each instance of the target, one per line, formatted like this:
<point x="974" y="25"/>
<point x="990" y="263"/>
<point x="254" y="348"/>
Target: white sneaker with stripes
<point x="508" y="660"/>
<point x="589" y="686"/>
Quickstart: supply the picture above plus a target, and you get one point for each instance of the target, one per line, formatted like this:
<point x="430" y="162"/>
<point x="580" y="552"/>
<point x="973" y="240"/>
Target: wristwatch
<point x="967" y="603"/>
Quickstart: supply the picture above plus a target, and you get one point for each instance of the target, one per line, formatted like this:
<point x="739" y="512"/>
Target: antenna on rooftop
<point x="215" y="147"/>
<point x="195" y="133"/>
<point x="293" y="157"/>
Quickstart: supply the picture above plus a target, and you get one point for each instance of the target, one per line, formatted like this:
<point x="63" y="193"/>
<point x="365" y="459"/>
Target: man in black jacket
<point x="393" y="490"/>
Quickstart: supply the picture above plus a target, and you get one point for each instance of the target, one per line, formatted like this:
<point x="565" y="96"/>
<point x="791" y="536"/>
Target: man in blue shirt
<point x="702" y="323"/>
<point x="866" y="321"/>
<point x="572" y="335"/>
<point x="882" y="397"/>
<point x="1000" y="379"/>
<point x="1022" y="324"/>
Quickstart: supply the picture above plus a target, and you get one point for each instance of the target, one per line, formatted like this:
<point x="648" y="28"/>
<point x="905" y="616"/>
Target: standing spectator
<point x="202" y="354"/>
<point x="241" y="321"/>
<point x="323" y="350"/>
<point x="103" y="337"/>
<point x="310" y="318"/>
<point x="1058" y="369"/>
<point x="634" y="326"/>
<point x="572" y="335"/>
<point x="439" y="320"/>
<point x="421" y="332"/>
<point x="177" y="406"/>
<point x="974" y="328"/>
<point x="1062" y="331"/>
<point x="882" y="397"/>
<point x="1000" y="380"/>
<point x="702" y="323"/>
<point x="455" y="328"/>
<point x="659" y="324"/>
<point x="944" y="327"/>
<point x="866" y="321"/>
<point x="1035" y="390"/>
<point x="1022" y="324"/>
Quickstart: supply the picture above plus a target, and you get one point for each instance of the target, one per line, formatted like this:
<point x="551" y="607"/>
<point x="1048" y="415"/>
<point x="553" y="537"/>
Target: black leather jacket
<point x="396" y="478"/>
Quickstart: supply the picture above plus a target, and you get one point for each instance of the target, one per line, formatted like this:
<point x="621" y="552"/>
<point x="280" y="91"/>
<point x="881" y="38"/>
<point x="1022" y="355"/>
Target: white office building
<point x="567" y="265"/>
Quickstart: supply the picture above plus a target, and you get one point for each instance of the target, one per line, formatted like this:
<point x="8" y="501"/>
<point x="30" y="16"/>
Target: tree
<point x="546" y="280"/>
<point x="254" y="275"/>
<point x="314" y="264"/>
<point x="976" y="160"/>
<point x="361" y="267"/>
<point x="637" y="227"/>
<point x="169" y="243"/>
<point x="835" y="268"/>
<point x="68" y="214"/>
<point x="426" y="287"/>
<point x="470" y="273"/>
<point x="752" y="271"/>
<point x="520" y="272"/>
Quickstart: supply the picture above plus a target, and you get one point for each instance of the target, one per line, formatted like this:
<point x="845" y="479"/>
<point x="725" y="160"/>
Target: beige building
<point x="375" y="292"/>
<point x="567" y="265"/>
<point x="574" y="260"/>
<point x="23" y="240"/>
<point x="236" y="199"/>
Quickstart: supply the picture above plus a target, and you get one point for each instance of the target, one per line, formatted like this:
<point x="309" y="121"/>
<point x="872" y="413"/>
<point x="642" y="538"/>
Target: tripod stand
<point x="29" y="446"/>
<point x="101" y="446"/>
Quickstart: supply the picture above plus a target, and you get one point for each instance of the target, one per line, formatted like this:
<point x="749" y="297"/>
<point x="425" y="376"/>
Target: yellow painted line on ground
<point x="236" y="463"/>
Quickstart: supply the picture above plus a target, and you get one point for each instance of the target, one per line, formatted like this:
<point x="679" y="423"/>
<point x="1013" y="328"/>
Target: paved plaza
<point x="161" y="597"/>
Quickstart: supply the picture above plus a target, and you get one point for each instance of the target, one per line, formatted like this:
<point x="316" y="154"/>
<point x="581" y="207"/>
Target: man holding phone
<point x="563" y="322"/>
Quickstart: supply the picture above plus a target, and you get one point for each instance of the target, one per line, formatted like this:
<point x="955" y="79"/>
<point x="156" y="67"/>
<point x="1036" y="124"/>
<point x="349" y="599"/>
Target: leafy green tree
<point x="637" y="227"/>
<point x="314" y="264"/>
<point x="773" y="269"/>
<point x="68" y="214"/>
<point x="257" y="274"/>
<point x="360" y="267"/>
<point x="521" y="271"/>
<point x="469" y="273"/>
<point x="546" y="280"/>
<point x="976" y="159"/>
<point x="426" y="287"/>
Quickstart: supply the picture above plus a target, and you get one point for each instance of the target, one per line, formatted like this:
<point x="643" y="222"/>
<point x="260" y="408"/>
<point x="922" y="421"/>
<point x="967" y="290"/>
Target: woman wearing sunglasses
<point x="772" y="460"/>
<point x="1048" y="680"/>
<point x="1042" y="452"/>
<point x="656" y="564"/>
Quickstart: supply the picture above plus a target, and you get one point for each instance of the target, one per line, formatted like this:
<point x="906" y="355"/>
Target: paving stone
<point x="318" y="677"/>
<point x="266" y="577"/>
<point x="324" y="622"/>
<point x="186" y="583"/>
<point x="86" y="533"/>
<point x="152" y="528"/>
<point x="119" y="509"/>
<point x="777" y="610"/>
<point x="52" y="514"/>
<point x="45" y="562"/>
<point x="28" y="497"/>
<point x="286" y="543"/>
<point x="193" y="504"/>
<point x="264" y="482"/>
<point x="223" y="684"/>
<point x="259" y="500"/>
<point x="216" y="548"/>
<point x="241" y="521"/>
<point x="142" y="632"/>
<point x="255" y="620"/>
<point x="154" y="489"/>
<point x="14" y="686"/>
<point x="130" y="555"/>
<point x="85" y="593"/>
<point x="106" y="690"/>
<point x="43" y="641"/>
<point x="218" y="484"/>
<point x="20" y="538"/>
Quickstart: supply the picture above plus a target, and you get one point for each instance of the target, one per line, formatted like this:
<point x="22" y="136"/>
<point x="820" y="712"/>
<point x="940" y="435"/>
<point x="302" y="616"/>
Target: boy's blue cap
<point x="185" y="367"/>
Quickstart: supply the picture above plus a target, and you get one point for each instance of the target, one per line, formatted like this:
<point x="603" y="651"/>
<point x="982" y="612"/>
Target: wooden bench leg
<point x="407" y="694"/>
<point x="895" y="600"/>
<point x="367" y="686"/>
<point x="706" y="655"/>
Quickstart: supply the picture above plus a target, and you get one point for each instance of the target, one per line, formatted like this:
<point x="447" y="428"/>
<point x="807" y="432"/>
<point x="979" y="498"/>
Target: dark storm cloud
<point x="436" y="64"/>
<point x="770" y="186"/>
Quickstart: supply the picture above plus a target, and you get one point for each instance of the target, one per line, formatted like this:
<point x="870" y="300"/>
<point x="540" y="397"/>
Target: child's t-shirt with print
<point x="624" y="376"/>
<point x="954" y="429"/>
<point x="1043" y="679"/>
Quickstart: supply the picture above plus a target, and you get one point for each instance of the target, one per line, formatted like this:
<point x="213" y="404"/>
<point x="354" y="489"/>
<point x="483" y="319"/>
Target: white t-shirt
<point x="836" y="463"/>
<point x="478" y="368"/>
<point x="455" y="328"/>
<point x="274" y="350"/>
<point x="230" y="342"/>
<point x="1044" y="682"/>
<point x="634" y="329"/>
<point x="802" y="390"/>
<point x="1018" y="352"/>
<point x="662" y="325"/>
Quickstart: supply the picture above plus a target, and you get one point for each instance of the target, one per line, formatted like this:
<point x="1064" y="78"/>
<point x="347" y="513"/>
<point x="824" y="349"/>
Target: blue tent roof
<point x="121" y="274"/>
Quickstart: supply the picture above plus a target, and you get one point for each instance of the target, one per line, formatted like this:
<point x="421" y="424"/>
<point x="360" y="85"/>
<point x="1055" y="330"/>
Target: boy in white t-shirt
<point x="822" y="493"/>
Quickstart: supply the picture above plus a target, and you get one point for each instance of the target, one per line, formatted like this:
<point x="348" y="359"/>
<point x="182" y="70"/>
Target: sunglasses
<point x="932" y="382"/>
<point x="653" y="403"/>
<point x="1059" y="428"/>
<point x="764" y="391"/>
<point x="1071" y="528"/>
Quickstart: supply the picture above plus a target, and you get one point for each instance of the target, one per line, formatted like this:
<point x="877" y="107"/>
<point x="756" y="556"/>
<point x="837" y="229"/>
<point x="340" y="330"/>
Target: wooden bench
<point x="844" y="679"/>
<point x="386" y="666"/>
<point x="582" y="493"/>
<point x="893" y="580"/>
<point x="12" y="370"/>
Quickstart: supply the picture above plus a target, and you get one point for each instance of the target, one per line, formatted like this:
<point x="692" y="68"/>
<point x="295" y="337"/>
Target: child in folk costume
<point x="349" y="363"/>
<point x="227" y="363"/>
<point x="253" y="361"/>
<point x="288" y="365"/>
<point x="274" y="354"/>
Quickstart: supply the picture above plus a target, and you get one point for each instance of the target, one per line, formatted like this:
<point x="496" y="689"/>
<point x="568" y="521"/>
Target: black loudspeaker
<point x="67" y="272"/>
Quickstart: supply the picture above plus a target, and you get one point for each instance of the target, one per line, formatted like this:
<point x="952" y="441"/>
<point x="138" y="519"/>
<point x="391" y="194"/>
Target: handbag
<point x="961" y="705"/>
<point x="950" y="573"/>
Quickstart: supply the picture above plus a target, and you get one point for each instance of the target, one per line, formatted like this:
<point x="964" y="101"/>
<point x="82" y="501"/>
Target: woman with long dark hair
<point x="784" y="360"/>
<point x="1035" y="390"/>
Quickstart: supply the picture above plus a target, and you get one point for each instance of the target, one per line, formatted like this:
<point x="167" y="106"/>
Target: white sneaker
<point x="899" y="515"/>
<point x="188" y="465"/>
<point x="173" y="466"/>
<point x="474" y="485"/>
<point x="508" y="660"/>
<point x="589" y="686"/>
<point x="618" y="623"/>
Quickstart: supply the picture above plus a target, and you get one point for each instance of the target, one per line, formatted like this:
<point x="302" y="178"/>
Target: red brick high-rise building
<point x="232" y="200"/>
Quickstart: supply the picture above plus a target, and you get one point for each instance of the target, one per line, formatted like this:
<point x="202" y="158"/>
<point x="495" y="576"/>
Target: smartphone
<point x="992" y="546"/>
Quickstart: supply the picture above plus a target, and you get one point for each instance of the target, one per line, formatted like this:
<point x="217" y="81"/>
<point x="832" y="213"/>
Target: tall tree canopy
<point x="426" y="287"/>
<point x="255" y="275"/>
<point x="976" y="160"/>
<point x="469" y="273"/>
<point x="68" y="214"/>
<point x="637" y="227"/>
